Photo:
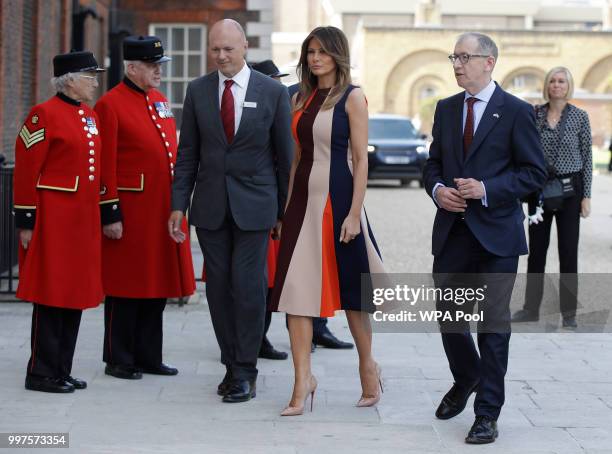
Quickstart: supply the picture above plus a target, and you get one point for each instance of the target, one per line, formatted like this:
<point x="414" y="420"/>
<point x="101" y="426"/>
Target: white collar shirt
<point x="484" y="96"/>
<point x="239" y="89"/>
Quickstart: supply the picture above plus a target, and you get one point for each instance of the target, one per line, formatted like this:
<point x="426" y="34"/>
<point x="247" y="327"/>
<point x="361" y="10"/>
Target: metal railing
<point x="8" y="234"/>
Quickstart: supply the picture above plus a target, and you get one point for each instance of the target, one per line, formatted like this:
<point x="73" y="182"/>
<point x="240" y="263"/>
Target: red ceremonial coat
<point x="57" y="194"/>
<point x="139" y="152"/>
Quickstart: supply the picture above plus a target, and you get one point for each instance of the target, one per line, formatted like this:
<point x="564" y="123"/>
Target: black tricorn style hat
<point x="75" y="62"/>
<point x="144" y="48"/>
<point x="268" y="68"/>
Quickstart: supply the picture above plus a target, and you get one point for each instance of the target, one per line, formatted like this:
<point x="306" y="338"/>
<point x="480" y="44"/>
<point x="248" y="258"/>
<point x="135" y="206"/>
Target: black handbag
<point x="557" y="188"/>
<point x="555" y="191"/>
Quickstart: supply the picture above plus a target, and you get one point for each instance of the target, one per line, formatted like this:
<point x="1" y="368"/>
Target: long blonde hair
<point x="334" y="43"/>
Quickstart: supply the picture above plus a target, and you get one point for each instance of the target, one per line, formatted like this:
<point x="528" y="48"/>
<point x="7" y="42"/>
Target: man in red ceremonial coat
<point x="56" y="203"/>
<point x="141" y="265"/>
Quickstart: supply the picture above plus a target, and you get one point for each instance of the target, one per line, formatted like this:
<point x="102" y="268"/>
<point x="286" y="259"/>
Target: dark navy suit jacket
<point x="505" y="155"/>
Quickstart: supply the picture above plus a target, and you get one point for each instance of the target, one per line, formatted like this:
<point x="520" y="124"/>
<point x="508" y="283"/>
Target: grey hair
<point x="60" y="83"/>
<point x="486" y="46"/>
<point x="130" y="62"/>
<point x="126" y="63"/>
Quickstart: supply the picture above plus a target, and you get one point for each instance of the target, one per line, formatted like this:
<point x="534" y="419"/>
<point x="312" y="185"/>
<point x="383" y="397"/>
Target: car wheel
<point x="404" y="182"/>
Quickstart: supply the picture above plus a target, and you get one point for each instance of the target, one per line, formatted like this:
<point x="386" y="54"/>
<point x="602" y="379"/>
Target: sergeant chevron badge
<point x="31" y="138"/>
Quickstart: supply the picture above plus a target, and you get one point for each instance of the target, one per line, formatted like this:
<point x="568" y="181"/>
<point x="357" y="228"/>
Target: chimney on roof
<point x="428" y="14"/>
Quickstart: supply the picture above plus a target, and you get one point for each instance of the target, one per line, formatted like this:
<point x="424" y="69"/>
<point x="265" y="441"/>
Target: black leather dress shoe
<point x="162" y="369"/>
<point x="483" y="431"/>
<point x="454" y="401"/>
<point x="328" y="340"/>
<point x="125" y="372"/>
<point x="570" y="323"/>
<point x="48" y="384"/>
<point x="240" y="391"/>
<point x="267" y="351"/>
<point x="525" y="315"/>
<point x="76" y="382"/>
<point x="225" y="384"/>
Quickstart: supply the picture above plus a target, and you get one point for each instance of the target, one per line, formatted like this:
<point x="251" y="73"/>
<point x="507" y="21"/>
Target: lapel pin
<point x="496" y="115"/>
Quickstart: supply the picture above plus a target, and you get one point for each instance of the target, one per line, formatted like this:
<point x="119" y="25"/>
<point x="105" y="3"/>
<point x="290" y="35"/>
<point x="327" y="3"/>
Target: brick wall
<point x="32" y="32"/>
<point x="10" y="67"/>
<point x="136" y="15"/>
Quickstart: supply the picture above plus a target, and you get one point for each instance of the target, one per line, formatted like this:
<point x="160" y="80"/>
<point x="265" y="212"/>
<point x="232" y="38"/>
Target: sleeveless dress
<point x="317" y="275"/>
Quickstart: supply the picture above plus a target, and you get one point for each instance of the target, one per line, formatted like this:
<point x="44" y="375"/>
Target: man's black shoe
<point x="267" y="351"/>
<point x="312" y="348"/>
<point x="454" y="401"/>
<point x="124" y="372"/>
<point x="570" y="323"/>
<point x="162" y="369"/>
<point x="328" y="340"/>
<point x="483" y="431"/>
<point x="240" y="391"/>
<point x="525" y="315"/>
<point x="225" y="384"/>
<point x="76" y="382"/>
<point x="47" y="384"/>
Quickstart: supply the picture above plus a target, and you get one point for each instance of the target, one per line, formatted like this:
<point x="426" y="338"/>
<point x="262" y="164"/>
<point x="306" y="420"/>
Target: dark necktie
<point x="227" y="110"/>
<point x="468" y="131"/>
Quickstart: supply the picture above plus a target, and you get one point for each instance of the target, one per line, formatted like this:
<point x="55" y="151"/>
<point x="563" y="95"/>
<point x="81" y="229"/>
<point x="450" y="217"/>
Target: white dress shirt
<point x="483" y="96"/>
<point x="239" y="89"/>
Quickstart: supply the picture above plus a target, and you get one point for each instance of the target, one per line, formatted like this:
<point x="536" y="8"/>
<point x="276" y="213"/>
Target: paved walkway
<point x="559" y="385"/>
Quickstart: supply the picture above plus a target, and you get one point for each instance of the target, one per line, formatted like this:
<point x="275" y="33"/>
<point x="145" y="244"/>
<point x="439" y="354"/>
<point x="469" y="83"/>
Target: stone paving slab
<point x="183" y="413"/>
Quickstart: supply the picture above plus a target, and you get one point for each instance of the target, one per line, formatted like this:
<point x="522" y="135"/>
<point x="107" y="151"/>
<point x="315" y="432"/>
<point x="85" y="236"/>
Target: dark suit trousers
<point x="133" y="331"/>
<point x="463" y="253"/>
<point x="568" y="231"/>
<point x="53" y="340"/>
<point x="235" y="262"/>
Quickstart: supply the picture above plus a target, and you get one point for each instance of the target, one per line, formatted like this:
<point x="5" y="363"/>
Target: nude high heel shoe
<point x="369" y="401"/>
<point x="296" y="411"/>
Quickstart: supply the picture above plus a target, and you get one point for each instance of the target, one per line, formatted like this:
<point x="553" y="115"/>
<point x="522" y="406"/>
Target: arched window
<point x="525" y="80"/>
<point x="428" y="91"/>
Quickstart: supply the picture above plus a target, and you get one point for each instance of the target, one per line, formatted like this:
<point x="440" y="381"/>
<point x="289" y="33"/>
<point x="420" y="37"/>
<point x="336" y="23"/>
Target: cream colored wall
<point x="393" y="60"/>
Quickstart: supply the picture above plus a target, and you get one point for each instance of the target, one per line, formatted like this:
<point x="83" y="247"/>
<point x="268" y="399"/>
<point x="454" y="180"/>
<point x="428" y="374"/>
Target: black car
<point x="396" y="150"/>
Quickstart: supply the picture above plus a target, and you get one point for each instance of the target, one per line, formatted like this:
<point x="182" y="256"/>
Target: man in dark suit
<point x="236" y="149"/>
<point x="484" y="158"/>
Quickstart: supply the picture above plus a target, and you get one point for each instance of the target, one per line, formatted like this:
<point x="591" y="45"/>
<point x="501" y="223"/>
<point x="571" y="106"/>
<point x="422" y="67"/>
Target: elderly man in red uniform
<point x="141" y="265"/>
<point x="57" y="195"/>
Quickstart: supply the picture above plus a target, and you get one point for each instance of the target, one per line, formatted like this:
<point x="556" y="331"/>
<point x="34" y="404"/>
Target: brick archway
<point x="410" y="69"/>
<point x="539" y="73"/>
<point x="598" y="78"/>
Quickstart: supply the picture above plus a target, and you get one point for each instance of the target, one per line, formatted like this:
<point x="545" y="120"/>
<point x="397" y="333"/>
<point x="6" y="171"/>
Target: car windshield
<point x="379" y="128"/>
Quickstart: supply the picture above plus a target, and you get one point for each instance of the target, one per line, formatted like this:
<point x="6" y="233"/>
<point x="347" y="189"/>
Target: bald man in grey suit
<point x="234" y="155"/>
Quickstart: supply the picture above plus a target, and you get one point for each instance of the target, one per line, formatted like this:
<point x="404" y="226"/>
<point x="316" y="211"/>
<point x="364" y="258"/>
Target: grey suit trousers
<point x="231" y="256"/>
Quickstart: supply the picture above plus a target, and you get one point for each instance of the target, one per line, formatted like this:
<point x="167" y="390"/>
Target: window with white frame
<point x="186" y="45"/>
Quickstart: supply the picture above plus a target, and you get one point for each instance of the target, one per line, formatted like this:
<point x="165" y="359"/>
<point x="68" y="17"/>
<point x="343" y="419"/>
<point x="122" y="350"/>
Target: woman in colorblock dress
<point x="326" y="241"/>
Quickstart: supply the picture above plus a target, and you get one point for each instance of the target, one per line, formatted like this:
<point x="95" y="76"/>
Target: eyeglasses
<point x="464" y="58"/>
<point x="88" y="77"/>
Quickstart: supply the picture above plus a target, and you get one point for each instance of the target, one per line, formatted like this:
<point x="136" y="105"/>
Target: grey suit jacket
<point x="248" y="177"/>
